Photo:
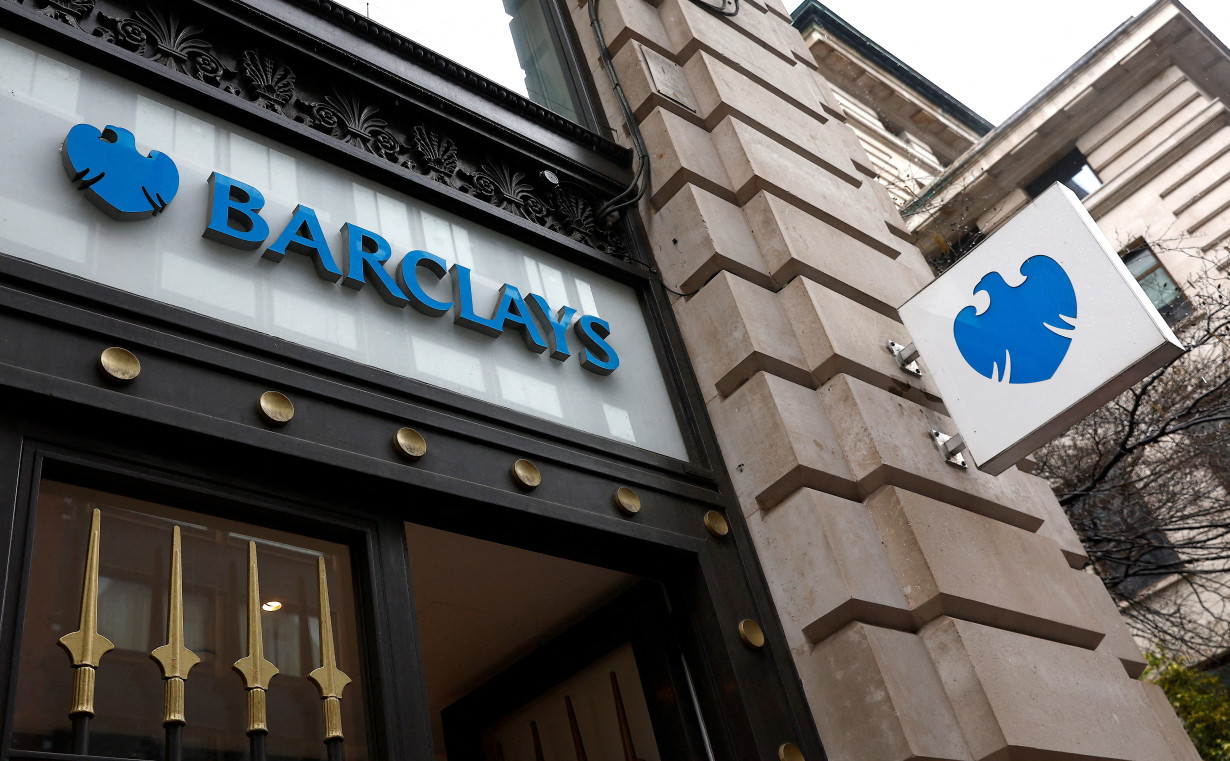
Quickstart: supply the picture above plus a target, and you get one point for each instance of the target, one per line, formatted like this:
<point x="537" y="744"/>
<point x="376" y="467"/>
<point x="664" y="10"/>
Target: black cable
<point x="635" y="191"/>
<point x="632" y="194"/>
<point x="719" y="10"/>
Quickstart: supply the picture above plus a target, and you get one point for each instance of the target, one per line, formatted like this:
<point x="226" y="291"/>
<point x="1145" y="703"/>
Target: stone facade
<point x="1146" y="111"/>
<point x="933" y="612"/>
<point x="911" y="129"/>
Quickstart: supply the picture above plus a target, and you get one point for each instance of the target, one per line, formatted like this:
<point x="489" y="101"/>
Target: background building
<point x="747" y="522"/>
<point x="1138" y="129"/>
<point x="911" y="129"/>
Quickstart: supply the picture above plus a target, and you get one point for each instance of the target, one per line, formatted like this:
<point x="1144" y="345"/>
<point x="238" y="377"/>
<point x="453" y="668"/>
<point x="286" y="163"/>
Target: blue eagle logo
<point x="1023" y="336"/>
<point x="114" y="176"/>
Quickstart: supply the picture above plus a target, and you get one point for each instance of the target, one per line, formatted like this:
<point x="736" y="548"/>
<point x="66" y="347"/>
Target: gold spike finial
<point x="174" y="658"/>
<point x="253" y="668"/>
<point x="86" y="646"/>
<point x="328" y="678"/>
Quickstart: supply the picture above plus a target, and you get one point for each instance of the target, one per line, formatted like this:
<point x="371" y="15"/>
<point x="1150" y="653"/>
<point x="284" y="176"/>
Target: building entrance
<point x="143" y="617"/>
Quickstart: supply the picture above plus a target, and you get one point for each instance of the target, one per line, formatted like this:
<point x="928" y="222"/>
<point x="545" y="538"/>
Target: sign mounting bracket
<point x="906" y="356"/>
<point x="950" y="447"/>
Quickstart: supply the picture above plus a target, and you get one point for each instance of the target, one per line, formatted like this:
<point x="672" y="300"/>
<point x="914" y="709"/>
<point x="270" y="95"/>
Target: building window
<point x="134" y="552"/>
<point x="515" y="43"/>
<point x="1072" y="171"/>
<point x="1157" y="284"/>
<point x="1133" y="552"/>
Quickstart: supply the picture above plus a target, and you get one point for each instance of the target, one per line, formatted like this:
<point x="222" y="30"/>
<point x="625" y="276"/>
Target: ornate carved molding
<point x="370" y="120"/>
<point x="428" y="58"/>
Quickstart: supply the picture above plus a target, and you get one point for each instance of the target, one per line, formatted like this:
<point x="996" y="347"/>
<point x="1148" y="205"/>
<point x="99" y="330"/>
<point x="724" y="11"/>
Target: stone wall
<point x="933" y="612"/>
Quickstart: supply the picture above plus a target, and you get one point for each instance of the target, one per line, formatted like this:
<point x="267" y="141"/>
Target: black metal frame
<point x="190" y="419"/>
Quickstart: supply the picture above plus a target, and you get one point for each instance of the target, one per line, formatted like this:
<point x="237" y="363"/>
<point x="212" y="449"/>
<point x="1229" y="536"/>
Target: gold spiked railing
<point x="86" y="647"/>
<point x="174" y="658"/>
<point x="329" y="678"/>
<point x="255" y="671"/>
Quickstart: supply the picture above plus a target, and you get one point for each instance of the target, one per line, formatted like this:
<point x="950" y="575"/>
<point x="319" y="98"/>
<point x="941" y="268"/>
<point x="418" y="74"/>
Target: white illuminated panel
<point x="1053" y="327"/>
<point x="44" y="219"/>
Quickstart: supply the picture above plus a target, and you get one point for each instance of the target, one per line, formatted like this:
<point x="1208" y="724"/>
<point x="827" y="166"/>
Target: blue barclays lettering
<point x="302" y="235"/>
<point x="234" y="213"/>
<point x="597" y="356"/>
<point x="234" y="220"/>
<point x="366" y="254"/>
<point x="408" y="281"/>
<point x="557" y="336"/>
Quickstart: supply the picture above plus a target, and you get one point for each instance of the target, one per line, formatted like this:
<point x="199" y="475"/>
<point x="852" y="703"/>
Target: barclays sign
<point x="126" y="185"/>
<point x="431" y="319"/>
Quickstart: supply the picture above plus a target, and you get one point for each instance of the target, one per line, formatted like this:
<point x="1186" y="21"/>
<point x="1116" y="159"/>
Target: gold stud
<point x="789" y="752"/>
<point x="410" y="443"/>
<point x="716" y="523"/>
<point x="526" y="474"/>
<point x="119" y="365"/>
<point x="627" y="500"/>
<point x="751" y="634"/>
<point x="276" y="408"/>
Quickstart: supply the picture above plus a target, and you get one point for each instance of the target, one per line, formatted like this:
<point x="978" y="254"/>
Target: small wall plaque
<point x="668" y="78"/>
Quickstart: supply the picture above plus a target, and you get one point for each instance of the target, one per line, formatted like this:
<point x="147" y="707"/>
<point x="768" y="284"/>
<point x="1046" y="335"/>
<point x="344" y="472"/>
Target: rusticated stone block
<point x="735" y="329"/>
<point x="778" y="8"/>
<point x="722" y="91"/>
<point x="1021" y="697"/>
<point x="840" y="335"/>
<point x="1119" y="641"/>
<point x="953" y="562"/>
<point x="795" y="243"/>
<point x="754" y="163"/>
<point x="826" y="567"/>
<point x="696" y="235"/>
<point x="622" y="22"/>
<point x="692" y="29"/>
<point x="776" y="438"/>
<point x="1056" y="525"/>
<point x="887" y="441"/>
<point x="681" y="152"/>
<point x="876" y="696"/>
<point x="1171" y="726"/>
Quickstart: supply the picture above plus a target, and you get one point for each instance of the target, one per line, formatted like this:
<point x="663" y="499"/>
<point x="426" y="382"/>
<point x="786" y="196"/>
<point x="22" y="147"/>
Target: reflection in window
<point x="619" y="422"/>
<point x="1157" y="284"/>
<point x="124" y="609"/>
<point x="134" y="557"/>
<point x="512" y="42"/>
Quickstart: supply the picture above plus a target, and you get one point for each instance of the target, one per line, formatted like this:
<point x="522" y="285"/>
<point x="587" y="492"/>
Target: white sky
<point x="992" y="56"/>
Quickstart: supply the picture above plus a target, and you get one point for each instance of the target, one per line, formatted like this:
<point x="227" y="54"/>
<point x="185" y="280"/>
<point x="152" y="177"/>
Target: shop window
<point x="1072" y="171"/>
<point x="1157" y="284"/>
<point x="515" y="43"/>
<point x="133" y="594"/>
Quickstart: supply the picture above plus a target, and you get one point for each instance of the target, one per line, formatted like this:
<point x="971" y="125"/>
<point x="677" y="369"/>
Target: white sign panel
<point x="281" y="242"/>
<point x="1034" y="329"/>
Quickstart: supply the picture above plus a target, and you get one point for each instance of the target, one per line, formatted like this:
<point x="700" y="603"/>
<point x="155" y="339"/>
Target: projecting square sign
<point x="1034" y="329"/>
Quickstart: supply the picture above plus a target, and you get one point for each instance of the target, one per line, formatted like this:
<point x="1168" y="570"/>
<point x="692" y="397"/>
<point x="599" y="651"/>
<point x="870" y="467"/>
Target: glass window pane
<point x="508" y="41"/>
<point x="134" y="561"/>
<point x="1140" y="262"/>
<point x="1086" y="180"/>
<point x="1160" y="289"/>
